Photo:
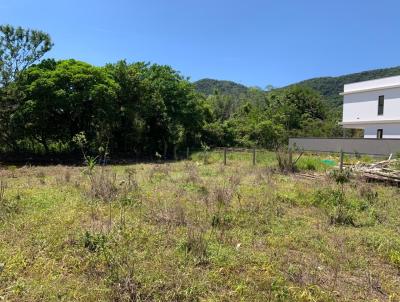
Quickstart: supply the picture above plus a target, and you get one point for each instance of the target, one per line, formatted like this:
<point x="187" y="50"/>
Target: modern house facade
<point x="373" y="106"/>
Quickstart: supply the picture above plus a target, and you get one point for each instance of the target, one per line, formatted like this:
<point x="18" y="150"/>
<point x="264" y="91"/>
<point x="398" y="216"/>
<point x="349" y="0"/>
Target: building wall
<point x="389" y="130"/>
<point x="363" y="106"/>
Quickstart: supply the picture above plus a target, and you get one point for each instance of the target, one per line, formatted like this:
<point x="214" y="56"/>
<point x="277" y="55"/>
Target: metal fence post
<point x="341" y="161"/>
<point x="187" y="153"/>
<point x="225" y="156"/>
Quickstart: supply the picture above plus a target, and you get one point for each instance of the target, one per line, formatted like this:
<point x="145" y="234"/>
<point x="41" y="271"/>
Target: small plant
<point x="103" y="186"/>
<point x="159" y="172"/>
<point x="196" y="245"/>
<point x="341" y="177"/>
<point x="41" y="176"/>
<point x="67" y="176"/>
<point x="205" y="149"/>
<point x="90" y="162"/>
<point x="368" y="194"/>
<point x="7" y="206"/>
<point x="174" y="215"/>
<point x="2" y="191"/>
<point x="394" y="256"/>
<point x="336" y="205"/>
<point x="131" y="172"/>
<point x="94" y="242"/>
<point x="192" y="173"/>
<point x="285" y="163"/>
<point x="12" y="169"/>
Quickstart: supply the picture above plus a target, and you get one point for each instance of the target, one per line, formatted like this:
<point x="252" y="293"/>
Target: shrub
<point x="368" y="194"/>
<point x="174" y="215"/>
<point x="192" y="173"/>
<point x="205" y="154"/>
<point x="346" y="211"/>
<point x="103" y="186"/>
<point x="336" y="205"/>
<point x="341" y="177"/>
<point x="94" y="242"/>
<point x="41" y="176"/>
<point x="196" y="245"/>
<point x="159" y="172"/>
<point x="284" y="161"/>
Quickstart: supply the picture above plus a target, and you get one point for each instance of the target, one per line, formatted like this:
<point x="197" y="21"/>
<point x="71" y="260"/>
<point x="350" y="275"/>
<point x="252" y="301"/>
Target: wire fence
<point x="229" y="155"/>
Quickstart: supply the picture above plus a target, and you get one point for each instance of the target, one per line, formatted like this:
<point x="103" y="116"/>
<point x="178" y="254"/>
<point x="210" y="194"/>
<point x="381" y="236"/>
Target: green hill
<point x="329" y="87"/>
<point x="209" y="86"/>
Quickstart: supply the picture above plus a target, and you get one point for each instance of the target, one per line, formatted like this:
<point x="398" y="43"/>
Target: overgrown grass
<point x="195" y="231"/>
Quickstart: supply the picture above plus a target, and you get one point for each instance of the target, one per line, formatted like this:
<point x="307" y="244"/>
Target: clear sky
<point x="254" y="42"/>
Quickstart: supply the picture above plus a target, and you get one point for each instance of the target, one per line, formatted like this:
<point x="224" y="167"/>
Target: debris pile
<point x="386" y="170"/>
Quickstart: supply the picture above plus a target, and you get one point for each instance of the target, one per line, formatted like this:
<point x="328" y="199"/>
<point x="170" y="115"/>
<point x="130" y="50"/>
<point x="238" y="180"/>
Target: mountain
<point x="328" y="87"/>
<point x="209" y="86"/>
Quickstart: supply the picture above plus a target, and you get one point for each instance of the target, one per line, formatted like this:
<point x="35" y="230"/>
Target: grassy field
<point x="195" y="231"/>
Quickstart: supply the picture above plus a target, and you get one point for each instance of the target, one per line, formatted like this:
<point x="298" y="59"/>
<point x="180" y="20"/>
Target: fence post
<point x="341" y="161"/>
<point x="290" y="159"/>
<point x="187" y="153"/>
<point x="254" y="156"/>
<point x="225" y="156"/>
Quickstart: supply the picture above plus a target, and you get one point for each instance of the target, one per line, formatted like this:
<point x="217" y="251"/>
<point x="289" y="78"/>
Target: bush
<point x="103" y="186"/>
<point x="346" y="211"/>
<point x="336" y="206"/>
<point x="94" y="242"/>
<point x="284" y="160"/>
<point x="196" y="245"/>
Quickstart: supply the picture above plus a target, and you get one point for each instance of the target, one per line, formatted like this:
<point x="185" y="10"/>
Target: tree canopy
<point x="139" y="109"/>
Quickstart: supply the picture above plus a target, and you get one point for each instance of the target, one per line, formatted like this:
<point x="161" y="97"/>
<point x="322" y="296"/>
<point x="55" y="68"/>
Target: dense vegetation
<point x="142" y="109"/>
<point x="210" y="86"/>
<point x="328" y="87"/>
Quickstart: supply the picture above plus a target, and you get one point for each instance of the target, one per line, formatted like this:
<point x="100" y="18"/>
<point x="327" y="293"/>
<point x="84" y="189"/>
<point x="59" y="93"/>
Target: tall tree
<point x="20" y="48"/>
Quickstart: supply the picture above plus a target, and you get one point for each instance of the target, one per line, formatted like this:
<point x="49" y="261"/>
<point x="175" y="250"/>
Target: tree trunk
<point x="165" y="150"/>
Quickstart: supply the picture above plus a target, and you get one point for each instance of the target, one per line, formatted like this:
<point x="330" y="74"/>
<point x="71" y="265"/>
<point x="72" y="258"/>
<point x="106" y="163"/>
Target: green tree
<point x="160" y="109"/>
<point x="20" y="48"/>
<point x="64" y="98"/>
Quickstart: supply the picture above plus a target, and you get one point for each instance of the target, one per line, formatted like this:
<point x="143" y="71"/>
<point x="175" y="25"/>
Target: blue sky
<point x="253" y="42"/>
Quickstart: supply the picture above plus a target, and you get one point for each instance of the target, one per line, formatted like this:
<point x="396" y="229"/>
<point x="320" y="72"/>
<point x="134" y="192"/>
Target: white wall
<point x="363" y="106"/>
<point x="389" y="130"/>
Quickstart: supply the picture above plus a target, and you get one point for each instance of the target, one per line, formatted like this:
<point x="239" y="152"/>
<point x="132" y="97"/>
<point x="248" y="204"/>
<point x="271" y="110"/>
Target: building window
<point x="379" y="133"/>
<point x="381" y="103"/>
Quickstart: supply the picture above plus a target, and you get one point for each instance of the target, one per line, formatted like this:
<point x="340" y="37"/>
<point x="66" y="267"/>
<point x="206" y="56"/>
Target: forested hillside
<point x="210" y="86"/>
<point x="328" y="87"/>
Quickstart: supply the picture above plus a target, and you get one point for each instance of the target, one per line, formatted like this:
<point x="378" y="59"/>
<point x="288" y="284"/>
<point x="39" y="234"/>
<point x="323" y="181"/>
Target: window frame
<point x="381" y="104"/>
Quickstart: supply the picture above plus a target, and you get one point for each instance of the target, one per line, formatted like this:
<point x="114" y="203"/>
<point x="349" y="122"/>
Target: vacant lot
<point x="196" y="231"/>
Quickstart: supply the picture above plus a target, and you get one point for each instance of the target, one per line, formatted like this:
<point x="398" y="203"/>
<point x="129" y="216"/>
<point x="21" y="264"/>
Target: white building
<point x="373" y="106"/>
